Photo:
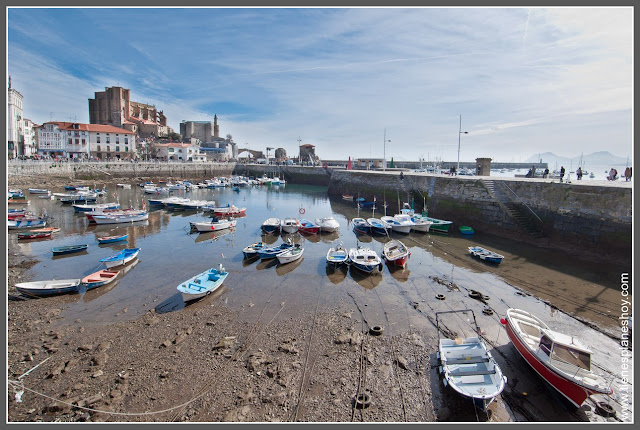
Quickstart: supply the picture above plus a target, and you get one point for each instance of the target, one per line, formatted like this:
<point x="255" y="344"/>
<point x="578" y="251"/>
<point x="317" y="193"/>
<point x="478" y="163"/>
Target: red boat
<point x="560" y="359"/>
<point x="308" y="227"/>
<point x="396" y="253"/>
<point x="229" y="210"/>
<point x="31" y="235"/>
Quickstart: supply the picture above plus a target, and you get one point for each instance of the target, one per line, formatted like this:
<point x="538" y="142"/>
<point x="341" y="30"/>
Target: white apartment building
<point x="30" y="141"/>
<point x="84" y="141"/>
<point x="15" y="123"/>
<point x="185" y="152"/>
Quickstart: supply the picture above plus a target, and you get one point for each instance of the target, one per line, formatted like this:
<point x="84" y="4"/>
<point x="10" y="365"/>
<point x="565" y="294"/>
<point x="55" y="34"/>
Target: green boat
<point x="464" y="229"/>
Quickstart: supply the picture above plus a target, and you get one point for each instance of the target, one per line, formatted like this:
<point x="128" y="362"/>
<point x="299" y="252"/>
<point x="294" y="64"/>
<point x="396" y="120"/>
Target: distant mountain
<point x="601" y="158"/>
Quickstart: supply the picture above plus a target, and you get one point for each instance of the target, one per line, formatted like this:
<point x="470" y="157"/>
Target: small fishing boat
<point x="420" y="224"/>
<point x="271" y="225"/>
<point x="99" y="278"/>
<point x="79" y="199"/>
<point x="113" y="212"/>
<point x="121" y="218"/>
<point x="251" y="251"/>
<point x="465" y="229"/>
<point x="485" y="254"/>
<point x="468" y="367"/>
<point x="33" y="235"/>
<point x="327" y="224"/>
<point x="45" y="230"/>
<point x="365" y="259"/>
<point x="112" y="239"/>
<point x="95" y="207"/>
<point x="266" y="253"/>
<point x="229" y="210"/>
<point x="120" y="258"/>
<point x="289" y="225"/>
<point x="366" y="205"/>
<point x="126" y="186"/>
<point x="560" y="359"/>
<point x="347" y="197"/>
<point x="26" y="222"/>
<point x="438" y="225"/>
<point x="378" y="226"/>
<point x="202" y="284"/>
<point x="213" y="225"/>
<point x="337" y="256"/>
<point x="291" y="254"/>
<point x="309" y="227"/>
<point x="38" y="191"/>
<point x="396" y="225"/>
<point x="17" y="202"/>
<point x="48" y="288"/>
<point x="396" y="253"/>
<point x="69" y="249"/>
<point x="361" y="226"/>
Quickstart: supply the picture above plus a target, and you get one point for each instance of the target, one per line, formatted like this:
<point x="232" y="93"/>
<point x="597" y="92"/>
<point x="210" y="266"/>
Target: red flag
<point x="349" y="164"/>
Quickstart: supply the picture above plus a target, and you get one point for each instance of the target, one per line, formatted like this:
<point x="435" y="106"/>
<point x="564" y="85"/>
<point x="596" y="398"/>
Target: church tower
<point x="216" y="128"/>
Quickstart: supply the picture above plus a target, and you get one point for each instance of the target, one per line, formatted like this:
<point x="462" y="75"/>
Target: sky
<point x="381" y="82"/>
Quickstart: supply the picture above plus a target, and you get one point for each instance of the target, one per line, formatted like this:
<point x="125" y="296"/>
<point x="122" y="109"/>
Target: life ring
<point x="301" y="211"/>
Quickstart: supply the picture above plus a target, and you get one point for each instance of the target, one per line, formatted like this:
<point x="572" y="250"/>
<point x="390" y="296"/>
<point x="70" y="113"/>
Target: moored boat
<point x="396" y="253"/>
<point x="266" y="253"/>
<point x="271" y="225"/>
<point x="309" y="227"/>
<point x="202" y="284"/>
<point x="34" y="235"/>
<point x="229" y="210"/>
<point x="112" y="239"/>
<point x="289" y="225"/>
<point x="560" y="359"/>
<point x="466" y="230"/>
<point x="38" y="191"/>
<point x="48" y="288"/>
<point x="292" y="254"/>
<point x="214" y="225"/>
<point x="337" y="256"/>
<point x="378" y="226"/>
<point x="121" y="218"/>
<point x="468" y="367"/>
<point x="95" y="207"/>
<point x="99" y="278"/>
<point x="26" y="222"/>
<point x="365" y="259"/>
<point x="121" y="258"/>
<point x="251" y="251"/>
<point x="396" y="225"/>
<point x="361" y="226"/>
<point x="69" y="249"/>
<point x="485" y="254"/>
<point x="328" y="224"/>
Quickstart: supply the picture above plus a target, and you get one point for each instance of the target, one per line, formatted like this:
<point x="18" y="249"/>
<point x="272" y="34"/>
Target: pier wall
<point x="101" y="171"/>
<point x="295" y="174"/>
<point x="583" y="219"/>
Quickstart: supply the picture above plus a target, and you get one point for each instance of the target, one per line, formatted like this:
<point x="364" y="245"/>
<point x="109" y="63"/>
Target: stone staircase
<point x="523" y="216"/>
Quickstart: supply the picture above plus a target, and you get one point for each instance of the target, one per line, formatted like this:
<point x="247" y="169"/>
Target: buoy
<point x="301" y="211"/>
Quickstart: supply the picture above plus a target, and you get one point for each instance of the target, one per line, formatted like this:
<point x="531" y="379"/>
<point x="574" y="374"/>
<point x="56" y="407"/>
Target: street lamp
<point x="459" y="133"/>
<point x="299" y="151"/>
<point x="384" y="153"/>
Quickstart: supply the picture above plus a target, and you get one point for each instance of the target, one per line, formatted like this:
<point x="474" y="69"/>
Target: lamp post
<point x="459" y="133"/>
<point x="384" y="153"/>
<point x="299" y="151"/>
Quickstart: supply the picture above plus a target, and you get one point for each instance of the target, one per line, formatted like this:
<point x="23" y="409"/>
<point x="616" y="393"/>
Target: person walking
<point x="561" y="173"/>
<point x="546" y="173"/>
<point x="579" y="173"/>
<point x="627" y="174"/>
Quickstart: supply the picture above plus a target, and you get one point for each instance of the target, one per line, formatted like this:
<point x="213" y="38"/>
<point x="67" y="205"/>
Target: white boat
<point x="328" y="224"/>
<point x="396" y="225"/>
<point x="202" y="284"/>
<point x="337" y="256"/>
<point x="26" y="223"/>
<point x="126" y="186"/>
<point x="468" y="367"/>
<point x="48" y="288"/>
<point x="365" y="259"/>
<point x="291" y="254"/>
<point x="213" y="225"/>
<point x="560" y="359"/>
<point x="121" y="219"/>
<point x="420" y="224"/>
<point x="114" y="212"/>
<point x="404" y="220"/>
<point x="271" y="225"/>
<point x="121" y="258"/>
<point x="289" y="225"/>
<point x="95" y="207"/>
<point x="38" y="191"/>
<point x="485" y="254"/>
<point x="396" y="253"/>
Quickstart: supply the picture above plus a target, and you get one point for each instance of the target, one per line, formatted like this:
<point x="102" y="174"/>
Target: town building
<point x="207" y="134"/>
<point x="185" y="152"/>
<point x="15" y="123"/>
<point x="307" y="154"/>
<point x="114" y="107"/>
<point x="30" y="147"/>
<point x="84" y="141"/>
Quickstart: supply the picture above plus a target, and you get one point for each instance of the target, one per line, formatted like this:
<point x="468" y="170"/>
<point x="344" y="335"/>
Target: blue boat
<point x="69" y="249"/>
<point x="251" y="251"/>
<point x="378" y="226"/>
<point x="121" y="258"/>
<point x="112" y="239"/>
<point x="273" y="251"/>
<point x="360" y="225"/>
<point x="464" y="229"/>
<point x="485" y="254"/>
<point x="203" y="284"/>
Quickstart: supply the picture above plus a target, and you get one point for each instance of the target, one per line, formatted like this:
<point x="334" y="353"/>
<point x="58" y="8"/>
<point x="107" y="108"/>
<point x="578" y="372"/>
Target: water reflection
<point x="368" y="281"/>
<point x="283" y="269"/>
<point x="399" y="274"/>
<point x="337" y="275"/>
<point x="72" y="254"/>
<point x="265" y="264"/>
<point x="212" y="235"/>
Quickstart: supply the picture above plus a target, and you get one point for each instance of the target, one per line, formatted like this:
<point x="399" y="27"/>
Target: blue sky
<point x="524" y="80"/>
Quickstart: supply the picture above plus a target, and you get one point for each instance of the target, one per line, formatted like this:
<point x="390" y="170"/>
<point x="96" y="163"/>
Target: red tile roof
<point x="99" y="128"/>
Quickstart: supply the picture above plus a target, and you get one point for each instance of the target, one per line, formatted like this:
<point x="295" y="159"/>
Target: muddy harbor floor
<point x="273" y="360"/>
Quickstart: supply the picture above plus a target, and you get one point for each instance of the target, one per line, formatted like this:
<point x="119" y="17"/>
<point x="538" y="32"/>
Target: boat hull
<point x="575" y="393"/>
<point x="68" y="249"/>
<point x="48" y="288"/>
<point x="121" y="258"/>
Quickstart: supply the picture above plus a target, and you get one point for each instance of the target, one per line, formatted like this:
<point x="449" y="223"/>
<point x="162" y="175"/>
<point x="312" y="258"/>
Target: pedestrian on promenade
<point x="613" y="174"/>
<point x="546" y="173"/>
<point x="561" y="173"/>
<point x="627" y="174"/>
<point x="579" y="173"/>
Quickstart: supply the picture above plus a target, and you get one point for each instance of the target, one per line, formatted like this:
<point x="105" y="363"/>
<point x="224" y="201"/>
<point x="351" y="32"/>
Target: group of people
<point x="613" y="174"/>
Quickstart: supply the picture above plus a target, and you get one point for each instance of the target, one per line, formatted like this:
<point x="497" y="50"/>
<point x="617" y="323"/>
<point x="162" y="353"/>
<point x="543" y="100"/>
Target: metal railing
<point x="525" y="205"/>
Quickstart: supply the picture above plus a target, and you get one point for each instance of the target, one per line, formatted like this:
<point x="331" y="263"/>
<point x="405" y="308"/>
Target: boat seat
<point x="195" y="286"/>
<point x="470" y="360"/>
<point x="473" y="372"/>
<point x="214" y="277"/>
